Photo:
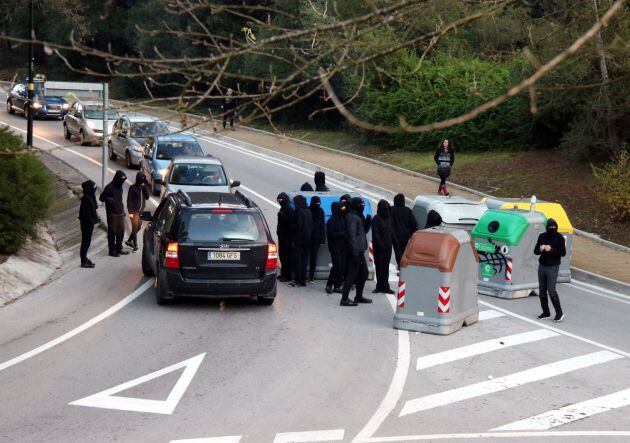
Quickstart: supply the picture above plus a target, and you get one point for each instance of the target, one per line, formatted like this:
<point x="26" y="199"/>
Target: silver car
<point x="196" y="174"/>
<point x="85" y="120"/>
<point x="130" y="134"/>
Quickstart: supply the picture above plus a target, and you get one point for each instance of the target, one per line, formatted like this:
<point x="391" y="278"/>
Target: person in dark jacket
<point x="318" y="234"/>
<point x="87" y="219"/>
<point x="404" y="224"/>
<point x="302" y="240"/>
<point x="227" y="108"/>
<point x="382" y="242"/>
<point x="286" y="218"/>
<point x="336" y="236"/>
<point x="433" y="219"/>
<point x="357" y="245"/>
<point x="112" y="195"/>
<point x="320" y="182"/>
<point x="444" y="159"/>
<point x="551" y="248"/>
<point x="137" y="194"/>
<point x="306" y="187"/>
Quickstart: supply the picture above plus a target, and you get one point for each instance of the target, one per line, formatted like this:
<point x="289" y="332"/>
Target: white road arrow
<point x="107" y="400"/>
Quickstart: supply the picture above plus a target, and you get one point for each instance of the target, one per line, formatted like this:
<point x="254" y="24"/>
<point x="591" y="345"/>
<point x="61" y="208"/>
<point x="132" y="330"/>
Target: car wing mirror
<point x="235" y="184"/>
<point x="146" y="216"/>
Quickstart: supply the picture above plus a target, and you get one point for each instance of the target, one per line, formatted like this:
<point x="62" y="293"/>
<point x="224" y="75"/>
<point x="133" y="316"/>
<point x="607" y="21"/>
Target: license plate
<point x="224" y="255"/>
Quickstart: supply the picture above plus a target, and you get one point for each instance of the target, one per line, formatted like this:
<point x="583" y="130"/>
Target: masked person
<point x="382" y="242"/>
<point x="318" y="235"/>
<point x="357" y="245"/>
<point x="306" y="187"/>
<point x="112" y="195"/>
<point x="87" y="218"/>
<point x="228" y="108"/>
<point x="404" y="224"/>
<point x="551" y="248"/>
<point x="336" y="236"/>
<point x="302" y="240"/>
<point x="433" y="219"/>
<point x="320" y="182"/>
<point x="137" y="194"/>
<point x="444" y="159"/>
<point x="286" y="218"/>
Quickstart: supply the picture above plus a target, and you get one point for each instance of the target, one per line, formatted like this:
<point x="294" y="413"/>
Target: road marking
<point x="599" y="288"/>
<point x="571" y="413"/>
<point x="509" y="381"/>
<point x="88" y="324"/>
<point x="106" y="400"/>
<point x="226" y="439"/>
<point x="483" y="348"/>
<point x="600" y="294"/>
<point x="489" y="314"/>
<point x="251" y="191"/>
<point x="309" y="436"/>
<point x="499" y="435"/>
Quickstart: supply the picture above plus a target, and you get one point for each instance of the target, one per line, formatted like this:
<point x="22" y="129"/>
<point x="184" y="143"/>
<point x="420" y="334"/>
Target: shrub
<point x="614" y="185"/>
<point x="25" y="192"/>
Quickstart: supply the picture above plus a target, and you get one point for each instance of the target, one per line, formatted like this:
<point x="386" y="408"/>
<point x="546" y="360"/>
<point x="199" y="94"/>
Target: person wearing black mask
<point x="320" y="182"/>
<point x="433" y="219"/>
<point x="551" y="248"/>
<point x="87" y="218"/>
<point x="336" y="235"/>
<point x="136" y="196"/>
<point x="357" y="245"/>
<point x="404" y="224"/>
<point x="382" y="241"/>
<point x="302" y="240"/>
<point x="318" y="235"/>
<point x="286" y="218"/>
<point x="112" y="195"/>
<point x="306" y="187"/>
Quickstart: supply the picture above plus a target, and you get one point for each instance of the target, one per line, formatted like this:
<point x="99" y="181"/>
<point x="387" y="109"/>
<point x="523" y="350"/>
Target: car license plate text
<point x="223" y="255"/>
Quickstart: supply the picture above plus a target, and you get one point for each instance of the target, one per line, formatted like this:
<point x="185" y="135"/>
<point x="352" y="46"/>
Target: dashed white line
<point x="499" y="435"/>
<point x="489" y="314"/>
<point x="226" y="439"/>
<point x="309" y="436"/>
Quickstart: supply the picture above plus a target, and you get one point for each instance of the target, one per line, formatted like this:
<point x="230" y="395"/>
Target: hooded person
<point x="318" y="234"/>
<point x="302" y="240"/>
<point x="306" y="187"/>
<point x="357" y="272"/>
<point x="336" y="236"/>
<point x="285" y="231"/>
<point x="320" y="182"/>
<point x="551" y="248"/>
<point x="87" y="219"/>
<point x="112" y="196"/>
<point x="404" y="224"/>
<point x="433" y="219"/>
<point x="137" y="194"/>
<point x="382" y="243"/>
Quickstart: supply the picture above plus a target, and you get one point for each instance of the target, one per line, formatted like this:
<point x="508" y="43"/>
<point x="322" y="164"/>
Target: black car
<point x="209" y="244"/>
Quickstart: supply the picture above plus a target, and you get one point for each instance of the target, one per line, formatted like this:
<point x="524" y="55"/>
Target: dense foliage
<point x="614" y="185"/>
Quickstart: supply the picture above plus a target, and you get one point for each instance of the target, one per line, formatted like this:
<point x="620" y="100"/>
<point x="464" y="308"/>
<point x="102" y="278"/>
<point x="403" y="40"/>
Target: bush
<point x="25" y="192"/>
<point x="614" y="185"/>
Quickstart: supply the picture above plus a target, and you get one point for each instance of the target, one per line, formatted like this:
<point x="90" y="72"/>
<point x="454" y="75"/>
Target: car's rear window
<point x="195" y="174"/>
<point x="223" y="225"/>
<point x="148" y="129"/>
<point x="168" y="150"/>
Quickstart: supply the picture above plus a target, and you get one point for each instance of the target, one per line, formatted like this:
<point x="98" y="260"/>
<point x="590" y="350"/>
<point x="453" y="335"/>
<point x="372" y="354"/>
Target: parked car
<point x="196" y="174"/>
<point x="158" y="153"/>
<point x="210" y="245"/>
<point x="85" y="120"/>
<point x="45" y="106"/>
<point x="129" y="135"/>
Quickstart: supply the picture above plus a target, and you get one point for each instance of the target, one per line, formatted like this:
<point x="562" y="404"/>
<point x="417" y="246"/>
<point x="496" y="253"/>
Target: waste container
<point x="505" y="240"/>
<point x="437" y="290"/>
<point x="324" y="262"/>
<point x="456" y="211"/>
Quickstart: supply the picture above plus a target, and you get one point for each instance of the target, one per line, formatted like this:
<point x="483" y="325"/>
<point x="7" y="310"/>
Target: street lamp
<point x="31" y="85"/>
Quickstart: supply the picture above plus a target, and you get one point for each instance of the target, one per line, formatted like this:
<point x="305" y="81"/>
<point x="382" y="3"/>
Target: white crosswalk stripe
<point x="489" y="314"/>
<point x="309" y="436"/>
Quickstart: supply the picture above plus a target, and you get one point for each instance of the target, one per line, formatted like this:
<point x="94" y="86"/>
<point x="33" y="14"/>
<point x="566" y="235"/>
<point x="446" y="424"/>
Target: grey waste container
<point x="437" y="290"/>
<point x="505" y="240"/>
<point x="456" y="212"/>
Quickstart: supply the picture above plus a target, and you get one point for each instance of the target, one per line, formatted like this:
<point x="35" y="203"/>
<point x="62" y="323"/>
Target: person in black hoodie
<point x="136" y="196"/>
<point x="302" y="240"/>
<point x="551" y="248"/>
<point x="336" y="235"/>
<point x="306" y="187"/>
<point x="318" y="234"/>
<point x="87" y="218"/>
<point x="286" y="219"/>
<point x="320" y="182"/>
<point x="444" y="159"/>
<point x="382" y="242"/>
<point x="404" y="224"/>
<point x="112" y="195"/>
<point x="433" y="219"/>
<point x="357" y="245"/>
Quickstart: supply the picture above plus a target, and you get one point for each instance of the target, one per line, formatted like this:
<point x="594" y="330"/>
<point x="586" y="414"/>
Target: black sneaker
<point x="129" y="243"/>
<point x="114" y="254"/>
<point x="123" y="252"/>
<point x="337" y="291"/>
<point x="329" y="290"/>
<point x="376" y="291"/>
<point x="543" y="316"/>
<point x="389" y="291"/>
<point x="311" y="281"/>
<point x="347" y="302"/>
<point x="362" y="300"/>
<point x="558" y="318"/>
<point x="87" y="264"/>
<point x="135" y="249"/>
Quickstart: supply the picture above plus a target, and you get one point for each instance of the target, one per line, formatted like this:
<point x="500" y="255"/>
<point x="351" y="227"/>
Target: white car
<point x="85" y="120"/>
<point x="196" y="174"/>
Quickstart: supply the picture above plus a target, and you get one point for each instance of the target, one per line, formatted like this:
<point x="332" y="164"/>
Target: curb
<point x="599" y="280"/>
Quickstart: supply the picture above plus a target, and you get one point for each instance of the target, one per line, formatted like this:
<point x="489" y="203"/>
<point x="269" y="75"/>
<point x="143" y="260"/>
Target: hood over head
<point x="345" y="198"/>
<point x="320" y="178"/>
<point x="306" y="187"/>
<point x="358" y="204"/>
<point x="89" y="187"/>
<point x="283" y="199"/>
<point x="119" y="178"/>
<point x="552" y="225"/>
<point x="433" y="219"/>
<point x="335" y="208"/>
<point x="399" y="200"/>
<point x="383" y="208"/>
<point x="299" y="201"/>
<point x="139" y="178"/>
<point x="315" y="202"/>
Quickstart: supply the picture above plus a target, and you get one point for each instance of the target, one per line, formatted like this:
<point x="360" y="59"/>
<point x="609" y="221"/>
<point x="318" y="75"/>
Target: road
<point x="304" y="365"/>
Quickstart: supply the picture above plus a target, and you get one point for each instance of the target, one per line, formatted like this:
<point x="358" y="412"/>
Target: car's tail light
<point x="272" y="257"/>
<point x="172" y="255"/>
<point x="222" y="211"/>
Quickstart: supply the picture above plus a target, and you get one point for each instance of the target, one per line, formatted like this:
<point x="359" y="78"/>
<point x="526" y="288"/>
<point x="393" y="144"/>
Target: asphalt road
<point x="304" y="365"/>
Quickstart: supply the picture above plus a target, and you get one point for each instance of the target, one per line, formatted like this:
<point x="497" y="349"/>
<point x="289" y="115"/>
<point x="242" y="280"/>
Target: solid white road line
<point x="226" y="439"/>
<point x="489" y="314"/>
<point x="482" y="348"/>
<point x="600" y="294"/>
<point x="507" y="382"/>
<point x="262" y="197"/>
<point x="309" y="436"/>
<point x="598" y="288"/>
<point x="499" y="435"/>
<point x="79" y="329"/>
<point x="571" y="413"/>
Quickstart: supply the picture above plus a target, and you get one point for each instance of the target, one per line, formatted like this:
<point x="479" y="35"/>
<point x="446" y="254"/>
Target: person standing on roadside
<point x="227" y="107"/>
<point x="336" y="236"/>
<point x="551" y="248"/>
<point x="112" y="195"/>
<point x="382" y="242"/>
<point x="318" y="234"/>
<point x="302" y="240"/>
<point x="444" y="159"/>
<point x="320" y="182"/>
<point x="87" y="218"/>
<point x="137" y="194"/>
<point x="357" y="245"/>
<point x="286" y="218"/>
<point x="404" y="224"/>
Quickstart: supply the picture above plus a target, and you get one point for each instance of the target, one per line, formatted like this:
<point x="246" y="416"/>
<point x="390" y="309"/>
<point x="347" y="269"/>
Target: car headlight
<point x="163" y="172"/>
<point x="37" y="105"/>
<point x="66" y="106"/>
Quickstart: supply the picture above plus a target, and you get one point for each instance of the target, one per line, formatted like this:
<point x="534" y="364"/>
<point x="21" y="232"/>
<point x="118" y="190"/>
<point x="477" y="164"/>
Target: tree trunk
<point x="604" y="90"/>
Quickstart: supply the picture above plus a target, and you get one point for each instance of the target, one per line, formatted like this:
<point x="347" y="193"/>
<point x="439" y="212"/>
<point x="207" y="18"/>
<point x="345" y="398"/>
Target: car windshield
<point x="148" y="129"/>
<point x="168" y="150"/>
<point x="226" y="226"/>
<point x="96" y="113"/>
<point x="191" y="174"/>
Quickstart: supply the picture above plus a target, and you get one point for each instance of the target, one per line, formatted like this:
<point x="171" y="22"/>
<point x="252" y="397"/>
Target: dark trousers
<point x="443" y="179"/>
<point x="337" y="272"/>
<point x="86" y="240"/>
<point x="312" y="261"/>
<point x="229" y="115"/>
<point x="300" y="262"/>
<point x="357" y="274"/>
<point x="399" y="250"/>
<point x="115" y="232"/>
<point x="285" y="252"/>
<point x="382" y="257"/>
<point x="547" y="277"/>
<point x="136" y="224"/>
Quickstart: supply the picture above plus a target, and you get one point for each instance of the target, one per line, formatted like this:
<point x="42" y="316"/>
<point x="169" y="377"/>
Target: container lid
<point x="505" y="226"/>
<point x="431" y="249"/>
<point x="551" y="210"/>
<point x="454" y="210"/>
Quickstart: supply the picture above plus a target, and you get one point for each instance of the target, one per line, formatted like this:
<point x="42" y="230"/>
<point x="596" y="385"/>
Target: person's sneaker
<point x="135" y="249"/>
<point x="389" y="291"/>
<point x="311" y="281"/>
<point x="114" y="254"/>
<point x="376" y="291"/>
<point x="293" y="284"/>
<point x="558" y="318"/>
<point x="329" y="290"/>
<point x="302" y="285"/>
<point x="87" y="264"/>
<point x="347" y="302"/>
<point x="543" y="316"/>
<point x="129" y="243"/>
<point x="337" y="291"/>
<point x="123" y="252"/>
<point x="362" y="300"/>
